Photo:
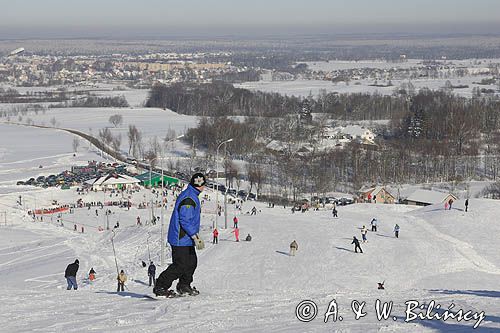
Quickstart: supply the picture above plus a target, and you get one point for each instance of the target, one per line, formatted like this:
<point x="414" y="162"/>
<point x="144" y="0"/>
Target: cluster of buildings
<point x="38" y="70"/>
<point x="420" y="197"/>
<point x="330" y="138"/>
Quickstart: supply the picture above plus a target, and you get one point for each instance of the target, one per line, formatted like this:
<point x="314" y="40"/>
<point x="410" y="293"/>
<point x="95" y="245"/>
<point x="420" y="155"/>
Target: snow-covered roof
<point x="428" y="196"/>
<point x="374" y="190"/>
<point x="113" y="179"/>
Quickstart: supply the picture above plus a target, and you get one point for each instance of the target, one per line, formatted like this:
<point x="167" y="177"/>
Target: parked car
<point x="345" y="201"/>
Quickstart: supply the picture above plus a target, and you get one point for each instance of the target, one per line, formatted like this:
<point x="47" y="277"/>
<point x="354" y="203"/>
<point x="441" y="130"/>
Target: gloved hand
<point x="200" y="244"/>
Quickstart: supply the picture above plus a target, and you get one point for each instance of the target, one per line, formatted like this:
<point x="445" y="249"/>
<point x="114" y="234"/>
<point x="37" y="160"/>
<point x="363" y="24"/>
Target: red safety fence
<point x="51" y="210"/>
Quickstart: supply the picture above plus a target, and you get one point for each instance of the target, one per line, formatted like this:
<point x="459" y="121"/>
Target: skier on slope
<point x="374" y="223"/>
<point x="152" y="273"/>
<point x="122" y="278"/>
<point x="364" y="231"/>
<point x="183" y="237"/>
<point x="70" y="274"/>
<point x="396" y="230"/>
<point x="293" y="248"/>
<point x="236" y="232"/>
<point x="216" y="236"/>
<point x="355" y="241"/>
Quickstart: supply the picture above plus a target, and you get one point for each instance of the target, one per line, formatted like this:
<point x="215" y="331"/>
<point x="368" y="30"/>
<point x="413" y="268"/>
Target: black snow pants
<point x="184" y="262"/>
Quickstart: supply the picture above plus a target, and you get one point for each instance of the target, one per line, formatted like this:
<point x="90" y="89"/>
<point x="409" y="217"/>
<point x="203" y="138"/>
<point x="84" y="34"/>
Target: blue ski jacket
<point x="185" y="219"/>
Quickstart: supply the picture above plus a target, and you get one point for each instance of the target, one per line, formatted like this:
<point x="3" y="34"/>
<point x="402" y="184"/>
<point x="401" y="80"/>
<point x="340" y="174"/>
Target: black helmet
<point x="198" y="180"/>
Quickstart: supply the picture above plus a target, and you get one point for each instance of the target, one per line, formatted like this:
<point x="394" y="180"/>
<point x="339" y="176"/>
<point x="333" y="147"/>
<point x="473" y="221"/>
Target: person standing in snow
<point x="396" y="230"/>
<point x="450" y="202"/>
<point x="183" y="237"/>
<point x="364" y="231"/>
<point x="122" y="278"/>
<point x="254" y="211"/>
<point x="334" y="212"/>
<point x="355" y="241"/>
<point x="236" y="232"/>
<point x="152" y="273"/>
<point x="235" y="222"/>
<point x="446" y="205"/>
<point x="374" y="223"/>
<point x="294" y="247"/>
<point x="466" y="204"/>
<point x="70" y="274"/>
<point x="216" y="236"/>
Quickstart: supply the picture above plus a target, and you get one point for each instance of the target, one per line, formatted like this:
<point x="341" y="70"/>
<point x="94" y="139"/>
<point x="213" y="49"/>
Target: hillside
<point x="255" y="286"/>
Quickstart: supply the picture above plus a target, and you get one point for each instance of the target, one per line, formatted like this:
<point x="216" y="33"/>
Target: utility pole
<point x="217" y="183"/>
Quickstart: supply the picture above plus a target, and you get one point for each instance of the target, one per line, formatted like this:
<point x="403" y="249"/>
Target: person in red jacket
<point x="235" y="222"/>
<point x="216" y="236"/>
<point x="236" y="234"/>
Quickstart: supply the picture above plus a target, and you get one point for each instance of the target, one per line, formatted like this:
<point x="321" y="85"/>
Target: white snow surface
<point x="254" y="286"/>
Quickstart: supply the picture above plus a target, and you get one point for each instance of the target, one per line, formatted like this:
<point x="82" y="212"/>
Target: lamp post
<point x="217" y="184"/>
<point x="162" y="219"/>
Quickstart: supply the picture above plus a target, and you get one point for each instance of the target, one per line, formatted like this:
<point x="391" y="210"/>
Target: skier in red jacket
<point x="216" y="236"/>
<point x="236" y="234"/>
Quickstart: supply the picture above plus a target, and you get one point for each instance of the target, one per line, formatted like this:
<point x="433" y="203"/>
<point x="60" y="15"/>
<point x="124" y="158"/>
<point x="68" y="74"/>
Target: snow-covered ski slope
<point x="451" y="257"/>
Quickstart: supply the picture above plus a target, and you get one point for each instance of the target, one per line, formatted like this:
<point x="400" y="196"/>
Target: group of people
<point x="72" y="270"/>
<point x="364" y="232"/>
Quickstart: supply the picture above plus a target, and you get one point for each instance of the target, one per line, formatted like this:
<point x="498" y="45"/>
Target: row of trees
<point x="433" y="136"/>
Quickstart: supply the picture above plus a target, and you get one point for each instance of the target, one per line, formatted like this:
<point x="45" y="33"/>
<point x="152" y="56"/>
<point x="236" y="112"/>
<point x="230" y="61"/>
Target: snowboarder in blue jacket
<point x="183" y="237"/>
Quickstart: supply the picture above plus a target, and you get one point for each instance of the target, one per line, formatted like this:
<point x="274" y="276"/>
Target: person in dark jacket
<point x="466" y="204"/>
<point x="70" y="274"/>
<point x="183" y="237"/>
<point x="355" y="241"/>
<point x="152" y="273"/>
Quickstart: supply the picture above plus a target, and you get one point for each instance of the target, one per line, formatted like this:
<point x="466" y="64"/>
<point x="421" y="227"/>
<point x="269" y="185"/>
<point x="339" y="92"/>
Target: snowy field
<point x="305" y="87"/>
<point x="134" y="97"/>
<point x="334" y="65"/>
<point x="152" y="122"/>
<point x="24" y="149"/>
<point x="255" y="286"/>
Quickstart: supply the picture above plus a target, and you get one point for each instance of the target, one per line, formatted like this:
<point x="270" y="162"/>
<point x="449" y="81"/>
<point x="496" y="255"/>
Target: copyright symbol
<point x="306" y="311"/>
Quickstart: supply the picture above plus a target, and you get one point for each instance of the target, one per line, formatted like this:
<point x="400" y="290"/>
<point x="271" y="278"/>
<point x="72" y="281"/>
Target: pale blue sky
<point x="203" y="15"/>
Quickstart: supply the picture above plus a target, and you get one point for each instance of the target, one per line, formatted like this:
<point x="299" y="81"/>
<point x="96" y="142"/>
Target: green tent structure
<point x="155" y="179"/>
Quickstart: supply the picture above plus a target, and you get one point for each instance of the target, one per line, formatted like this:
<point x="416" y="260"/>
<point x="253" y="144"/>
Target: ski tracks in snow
<point x="466" y="251"/>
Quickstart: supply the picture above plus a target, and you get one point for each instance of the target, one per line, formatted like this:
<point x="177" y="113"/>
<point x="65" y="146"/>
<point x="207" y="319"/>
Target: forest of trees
<point x="431" y="136"/>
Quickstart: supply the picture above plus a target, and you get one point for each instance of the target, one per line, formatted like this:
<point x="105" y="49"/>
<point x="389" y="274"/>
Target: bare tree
<point x="134" y="140"/>
<point x="76" y="144"/>
<point x="106" y="136"/>
<point x="256" y="176"/>
<point x="116" y="119"/>
<point x="116" y="142"/>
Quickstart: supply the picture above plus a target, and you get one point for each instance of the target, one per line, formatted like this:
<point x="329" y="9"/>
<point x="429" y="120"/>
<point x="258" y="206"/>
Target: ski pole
<point x="147" y="241"/>
<point x="114" y="252"/>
